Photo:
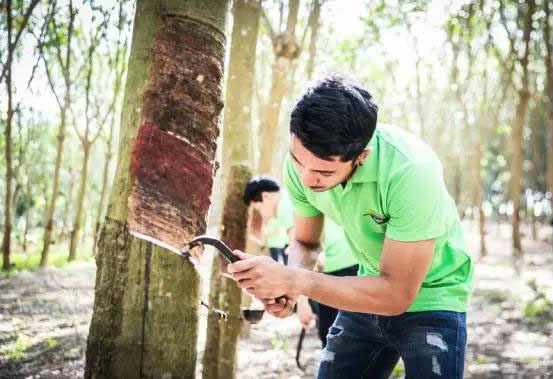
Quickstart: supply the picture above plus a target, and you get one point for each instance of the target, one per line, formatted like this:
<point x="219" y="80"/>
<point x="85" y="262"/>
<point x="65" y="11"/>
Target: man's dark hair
<point x="335" y="117"/>
<point x="257" y="186"/>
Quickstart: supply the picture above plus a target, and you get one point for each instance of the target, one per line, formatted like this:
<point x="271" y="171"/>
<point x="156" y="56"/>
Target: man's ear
<point x="364" y="154"/>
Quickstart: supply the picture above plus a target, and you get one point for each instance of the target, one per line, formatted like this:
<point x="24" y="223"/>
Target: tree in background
<point x="286" y="49"/>
<point x="15" y="21"/>
<point x="222" y="337"/>
<point x="95" y="117"/>
<point x="524" y="14"/>
<point x="548" y="58"/>
<point x="118" y="66"/>
<point x="58" y="48"/>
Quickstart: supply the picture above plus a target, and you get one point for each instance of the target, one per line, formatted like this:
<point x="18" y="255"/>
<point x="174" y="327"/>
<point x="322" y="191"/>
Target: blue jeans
<point x="361" y="345"/>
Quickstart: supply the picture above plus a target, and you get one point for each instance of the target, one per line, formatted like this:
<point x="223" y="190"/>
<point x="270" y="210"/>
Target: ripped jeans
<point x="361" y="345"/>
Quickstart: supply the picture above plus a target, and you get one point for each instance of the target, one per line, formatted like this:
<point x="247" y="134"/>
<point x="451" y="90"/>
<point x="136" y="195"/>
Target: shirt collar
<point x="368" y="171"/>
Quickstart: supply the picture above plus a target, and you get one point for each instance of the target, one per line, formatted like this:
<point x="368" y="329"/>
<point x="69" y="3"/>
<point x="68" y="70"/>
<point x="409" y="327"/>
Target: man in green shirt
<point x="385" y="188"/>
<point x="263" y="194"/>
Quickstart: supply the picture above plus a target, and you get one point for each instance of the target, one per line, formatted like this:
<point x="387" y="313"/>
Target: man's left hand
<point x="261" y="276"/>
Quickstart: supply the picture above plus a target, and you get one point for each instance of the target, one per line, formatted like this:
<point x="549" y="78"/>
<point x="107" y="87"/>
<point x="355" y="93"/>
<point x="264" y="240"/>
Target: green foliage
<point x="481" y="360"/>
<point x="539" y="309"/>
<point x="279" y="344"/>
<point x="16" y="353"/>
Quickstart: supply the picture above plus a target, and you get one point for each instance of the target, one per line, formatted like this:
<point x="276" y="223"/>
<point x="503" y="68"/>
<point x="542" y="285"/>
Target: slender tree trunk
<point x="146" y="302"/>
<point x="47" y="240"/>
<point x="518" y="131"/>
<point x="549" y="92"/>
<point x="234" y="221"/>
<point x="80" y="205"/>
<point x="25" y="231"/>
<point x="67" y="205"/>
<point x="286" y="50"/>
<point x="64" y="109"/>
<point x="105" y="183"/>
<point x="6" y="240"/>
<point x="314" y="24"/>
<point x="210" y="361"/>
<point x="549" y="154"/>
<point x="271" y="112"/>
<point x="480" y="199"/>
<point x="219" y="359"/>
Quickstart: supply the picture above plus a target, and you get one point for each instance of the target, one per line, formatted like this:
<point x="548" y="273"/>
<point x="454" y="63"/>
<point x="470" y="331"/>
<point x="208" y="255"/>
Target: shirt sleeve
<point x="416" y="204"/>
<point x="296" y="191"/>
<point x="286" y="212"/>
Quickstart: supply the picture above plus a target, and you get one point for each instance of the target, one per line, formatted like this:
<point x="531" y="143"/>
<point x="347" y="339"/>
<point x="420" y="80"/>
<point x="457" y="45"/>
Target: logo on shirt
<point x="377" y="218"/>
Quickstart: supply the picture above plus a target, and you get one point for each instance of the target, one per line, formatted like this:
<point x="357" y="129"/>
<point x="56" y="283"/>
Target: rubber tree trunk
<point x="518" y="131"/>
<point x="67" y="205"/>
<point x="549" y="154"/>
<point x="549" y="89"/>
<point x="6" y="240"/>
<point x="219" y="359"/>
<point x="15" y="25"/>
<point x="80" y="204"/>
<point x="105" y="183"/>
<point x="286" y="49"/>
<point x="64" y="109"/>
<point x="119" y="68"/>
<point x="145" y="319"/>
<point x="479" y="197"/>
<point x="314" y="25"/>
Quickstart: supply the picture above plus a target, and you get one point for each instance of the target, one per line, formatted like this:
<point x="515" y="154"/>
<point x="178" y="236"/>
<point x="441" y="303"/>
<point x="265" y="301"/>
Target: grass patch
<point x="539" y="310"/>
<point x="57" y="257"/>
<point x="279" y="344"/>
<point x="16" y="352"/>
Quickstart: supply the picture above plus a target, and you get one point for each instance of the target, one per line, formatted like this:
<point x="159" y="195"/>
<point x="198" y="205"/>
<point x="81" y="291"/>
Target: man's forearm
<point x="303" y="255"/>
<point x="356" y="294"/>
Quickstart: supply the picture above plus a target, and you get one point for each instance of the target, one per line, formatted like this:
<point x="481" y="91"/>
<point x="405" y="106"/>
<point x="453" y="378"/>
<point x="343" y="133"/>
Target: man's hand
<point x="282" y="308"/>
<point x="305" y="313"/>
<point x="262" y="277"/>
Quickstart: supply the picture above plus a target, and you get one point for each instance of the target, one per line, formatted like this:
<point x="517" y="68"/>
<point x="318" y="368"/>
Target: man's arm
<point x="403" y="267"/>
<point x="305" y="244"/>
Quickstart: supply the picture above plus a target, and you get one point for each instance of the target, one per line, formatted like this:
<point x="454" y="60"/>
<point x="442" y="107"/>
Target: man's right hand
<point x="282" y="308"/>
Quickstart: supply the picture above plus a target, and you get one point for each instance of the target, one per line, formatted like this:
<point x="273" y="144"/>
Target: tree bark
<point x="549" y="95"/>
<point x="6" y="240"/>
<point x="105" y="183"/>
<point x="80" y="205"/>
<point x="286" y="49"/>
<point x="314" y="25"/>
<point x="518" y="130"/>
<point x="64" y="108"/>
<point x="222" y="337"/>
<point x="146" y="302"/>
<point x="67" y="205"/>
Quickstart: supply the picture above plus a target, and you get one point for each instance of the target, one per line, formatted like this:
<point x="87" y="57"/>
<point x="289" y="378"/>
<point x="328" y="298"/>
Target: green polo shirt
<point x="278" y="226"/>
<point x="398" y="193"/>
<point x="337" y="252"/>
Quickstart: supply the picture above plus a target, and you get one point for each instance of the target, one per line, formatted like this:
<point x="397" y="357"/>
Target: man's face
<point x="266" y="206"/>
<point x="318" y="174"/>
